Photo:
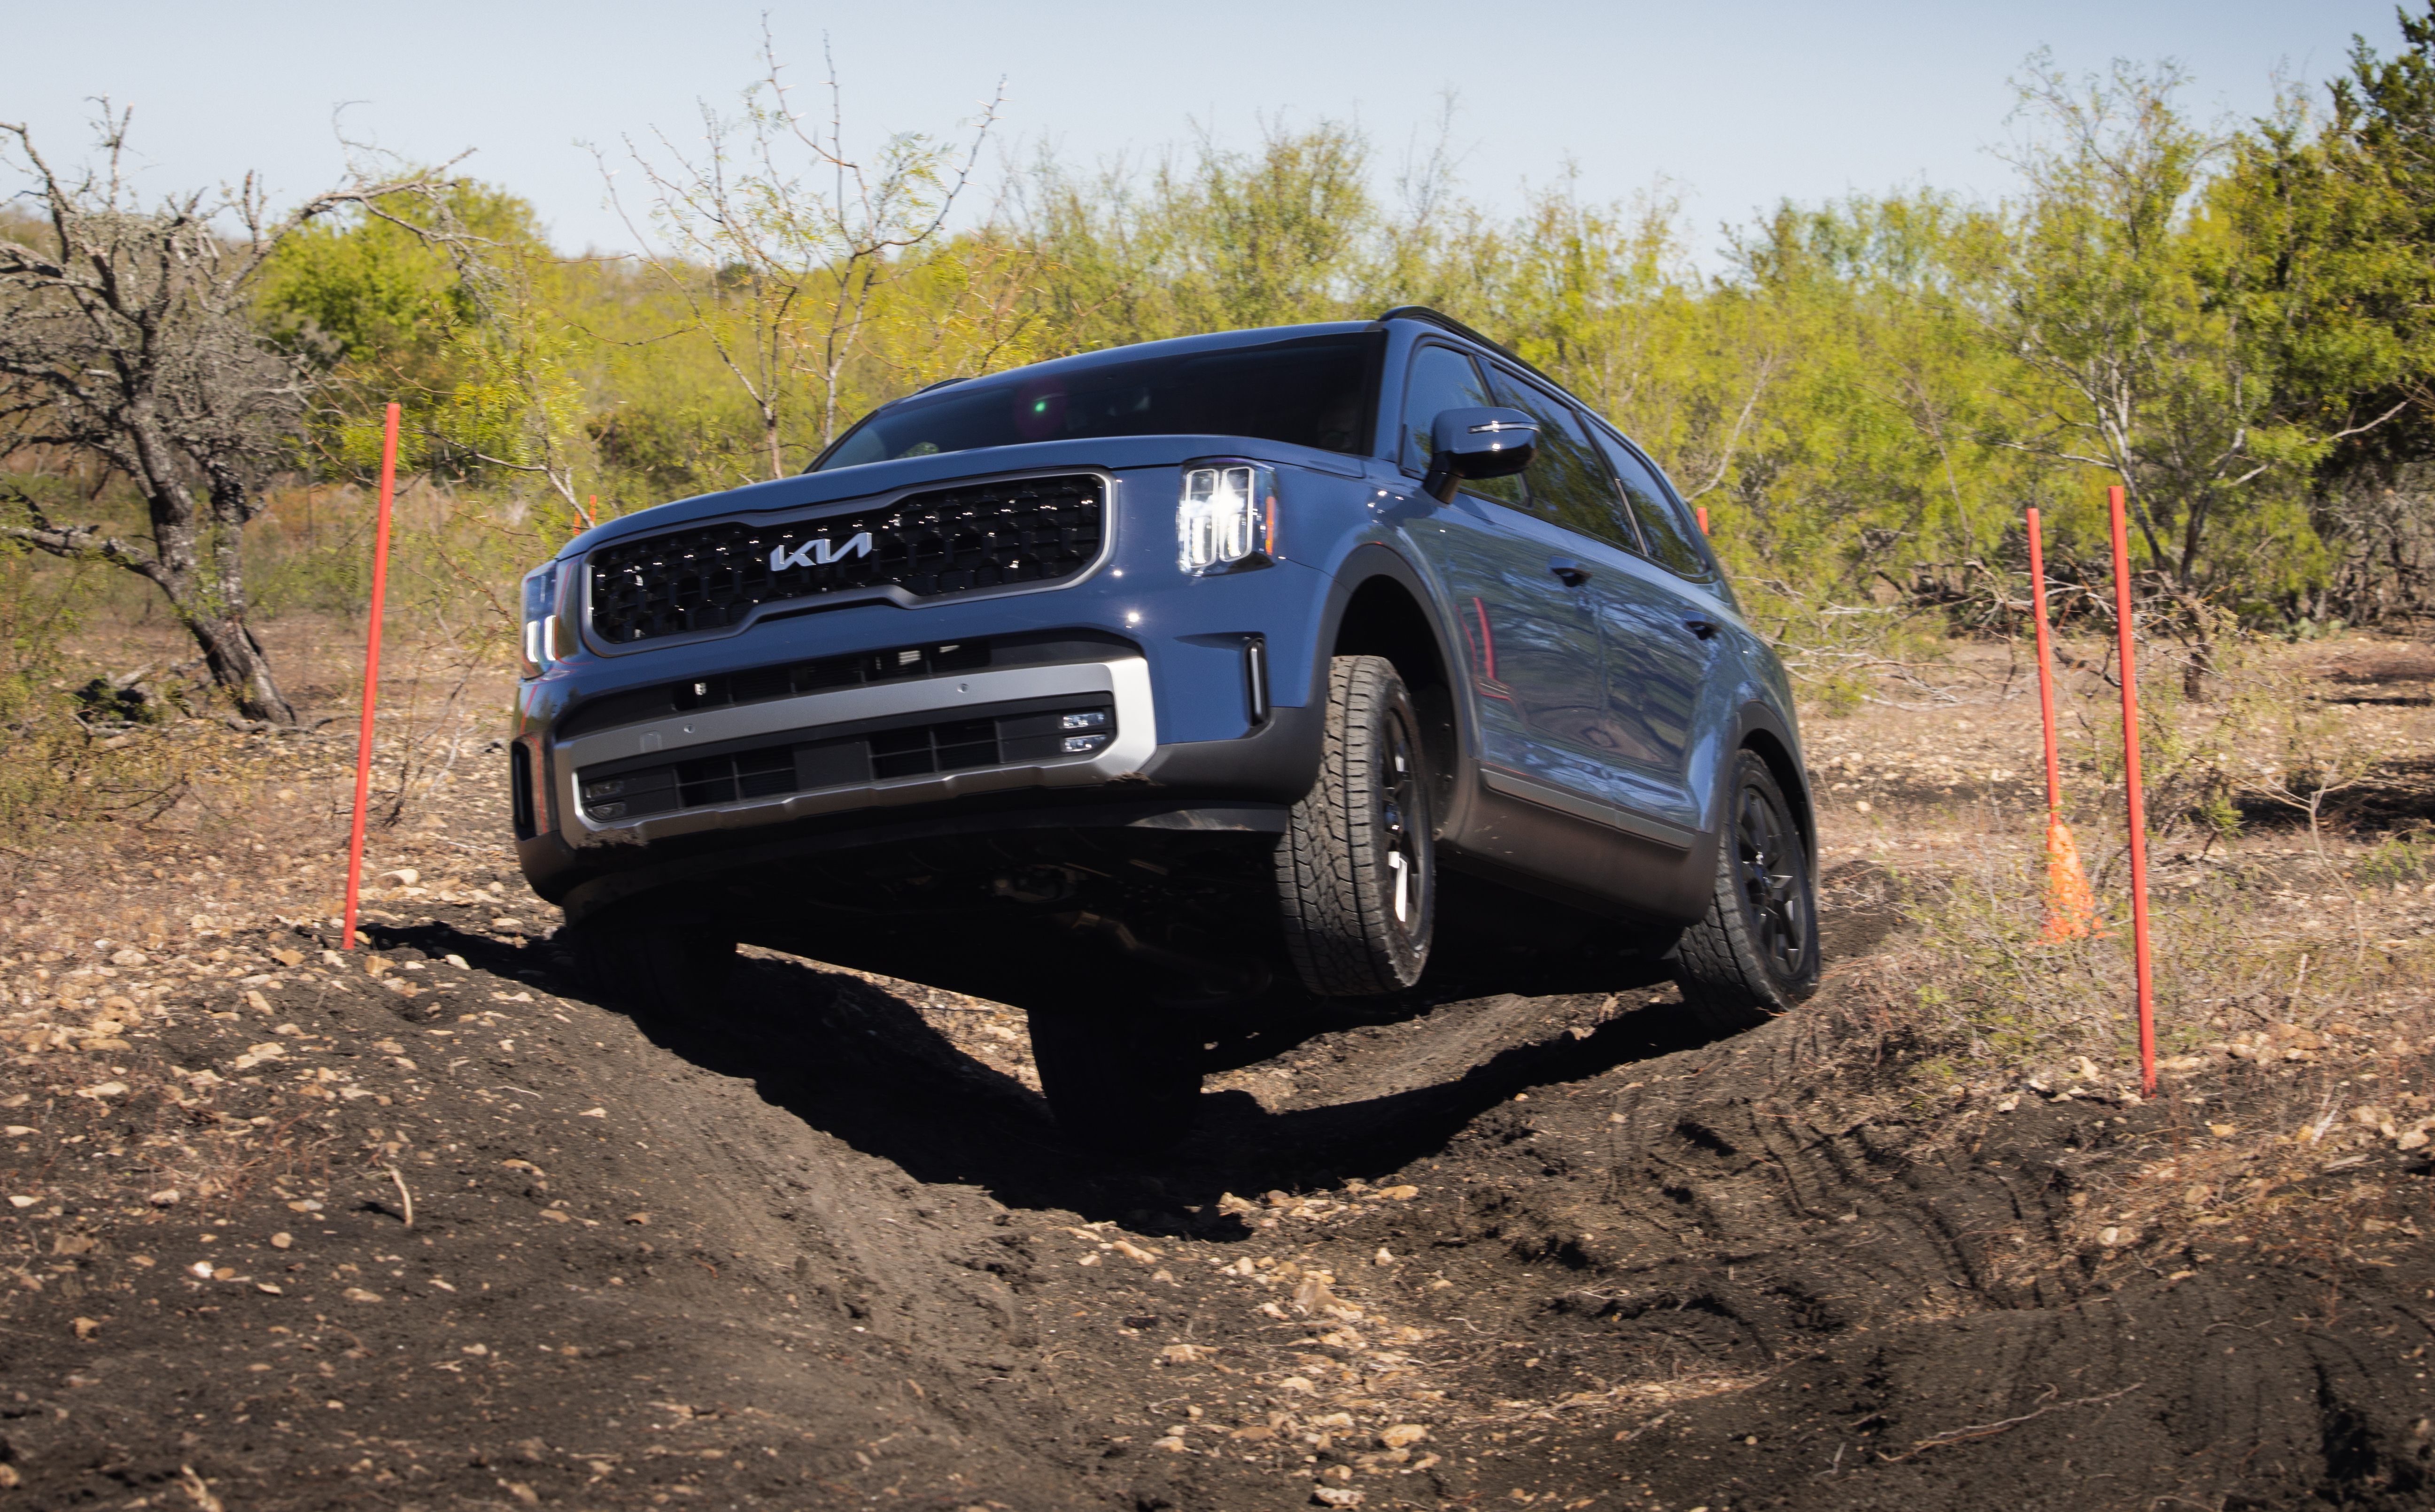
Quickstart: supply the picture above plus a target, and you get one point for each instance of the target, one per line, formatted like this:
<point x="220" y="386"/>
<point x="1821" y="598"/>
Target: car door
<point x="1660" y="620"/>
<point x="1531" y="640"/>
<point x="1582" y="515"/>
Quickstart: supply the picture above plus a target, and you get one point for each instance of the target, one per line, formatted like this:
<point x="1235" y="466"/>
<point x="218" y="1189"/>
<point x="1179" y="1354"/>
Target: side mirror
<point x="1478" y="443"/>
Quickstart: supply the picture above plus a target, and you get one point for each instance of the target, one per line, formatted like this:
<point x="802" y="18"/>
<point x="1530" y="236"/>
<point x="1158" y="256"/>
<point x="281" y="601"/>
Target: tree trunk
<point x="240" y="665"/>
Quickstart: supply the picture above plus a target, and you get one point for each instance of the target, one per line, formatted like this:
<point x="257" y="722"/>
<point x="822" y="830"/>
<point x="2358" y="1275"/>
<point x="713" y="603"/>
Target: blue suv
<point x="1136" y="687"/>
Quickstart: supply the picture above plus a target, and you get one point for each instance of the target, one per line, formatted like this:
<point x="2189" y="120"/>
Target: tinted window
<point x="1673" y="540"/>
<point x="1442" y="379"/>
<point x="1308" y="391"/>
<point x="1569" y="484"/>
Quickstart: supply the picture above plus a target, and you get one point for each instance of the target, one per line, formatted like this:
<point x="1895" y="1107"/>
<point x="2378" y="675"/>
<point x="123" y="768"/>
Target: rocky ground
<point x="432" y="1225"/>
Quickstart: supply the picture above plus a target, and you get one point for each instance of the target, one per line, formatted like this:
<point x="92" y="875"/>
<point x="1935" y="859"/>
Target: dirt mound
<point x="829" y="1250"/>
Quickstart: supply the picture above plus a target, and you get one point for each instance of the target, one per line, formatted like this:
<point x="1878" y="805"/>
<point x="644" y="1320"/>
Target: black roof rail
<point x="1446" y="322"/>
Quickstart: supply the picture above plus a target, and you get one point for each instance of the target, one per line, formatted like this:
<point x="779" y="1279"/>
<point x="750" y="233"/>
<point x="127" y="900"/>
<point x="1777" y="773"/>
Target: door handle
<point x="1702" y="629"/>
<point x="1568" y="572"/>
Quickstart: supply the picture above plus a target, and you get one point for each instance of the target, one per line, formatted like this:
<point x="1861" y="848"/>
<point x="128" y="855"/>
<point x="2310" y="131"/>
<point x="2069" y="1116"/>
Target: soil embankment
<point x="282" y="1233"/>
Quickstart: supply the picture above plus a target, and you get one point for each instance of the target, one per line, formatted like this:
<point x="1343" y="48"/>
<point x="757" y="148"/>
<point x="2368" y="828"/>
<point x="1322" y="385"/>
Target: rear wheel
<point x="1356" y="871"/>
<point x="1118" y="1081"/>
<point x="656" y="964"/>
<point x="1755" y="954"/>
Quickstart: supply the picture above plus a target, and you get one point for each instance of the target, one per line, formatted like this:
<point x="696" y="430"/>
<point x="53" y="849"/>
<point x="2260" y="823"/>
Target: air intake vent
<point x="934" y="544"/>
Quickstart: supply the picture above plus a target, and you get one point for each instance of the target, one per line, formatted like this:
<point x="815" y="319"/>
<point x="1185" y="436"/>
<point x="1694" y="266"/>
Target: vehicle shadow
<point x="872" y="1068"/>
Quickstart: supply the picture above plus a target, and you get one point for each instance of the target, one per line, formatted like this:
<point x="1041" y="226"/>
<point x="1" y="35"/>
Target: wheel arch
<point x="1382" y="612"/>
<point x="1770" y="745"/>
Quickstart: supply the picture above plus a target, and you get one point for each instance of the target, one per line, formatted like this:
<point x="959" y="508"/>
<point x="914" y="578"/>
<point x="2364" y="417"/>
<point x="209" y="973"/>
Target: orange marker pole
<point x="2138" y="801"/>
<point x="371" y="681"/>
<point x="2071" y="908"/>
<point x="1703" y="512"/>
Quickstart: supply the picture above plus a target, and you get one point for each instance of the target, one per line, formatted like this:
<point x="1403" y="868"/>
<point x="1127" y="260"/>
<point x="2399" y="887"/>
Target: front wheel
<point x="1119" y="1080"/>
<point x="1356" y="871"/>
<point x="1754" y="954"/>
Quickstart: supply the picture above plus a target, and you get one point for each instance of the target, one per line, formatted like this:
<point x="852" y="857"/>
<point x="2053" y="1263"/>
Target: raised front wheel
<point x="1356" y="871"/>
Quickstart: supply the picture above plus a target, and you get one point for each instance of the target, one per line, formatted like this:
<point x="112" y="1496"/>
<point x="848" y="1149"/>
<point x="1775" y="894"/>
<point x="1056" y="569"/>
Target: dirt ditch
<point x="286" y="1231"/>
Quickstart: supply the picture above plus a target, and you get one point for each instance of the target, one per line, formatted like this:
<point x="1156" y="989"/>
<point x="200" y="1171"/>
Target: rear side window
<point x="1442" y="379"/>
<point x="1673" y="540"/>
<point x="1567" y="482"/>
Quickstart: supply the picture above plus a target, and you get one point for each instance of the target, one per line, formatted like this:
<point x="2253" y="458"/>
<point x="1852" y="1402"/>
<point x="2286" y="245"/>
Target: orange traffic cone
<point x="2071" y="907"/>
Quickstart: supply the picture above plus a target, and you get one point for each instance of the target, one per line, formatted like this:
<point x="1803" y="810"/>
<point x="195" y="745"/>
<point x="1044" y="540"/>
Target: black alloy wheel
<point x="1767" y="857"/>
<point x="1754" y="954"/>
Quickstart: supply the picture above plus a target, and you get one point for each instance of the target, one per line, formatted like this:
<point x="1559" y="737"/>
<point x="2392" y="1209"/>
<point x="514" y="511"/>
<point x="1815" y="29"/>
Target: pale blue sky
<point x="1738" y="104"/>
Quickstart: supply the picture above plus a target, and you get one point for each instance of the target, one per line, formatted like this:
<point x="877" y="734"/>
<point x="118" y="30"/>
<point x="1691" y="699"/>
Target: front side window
<point x="1304" y="392"/>
<point x="1673" y="540"/>
<point x="1569" y="484"/>
<point x="1442" y="379"/>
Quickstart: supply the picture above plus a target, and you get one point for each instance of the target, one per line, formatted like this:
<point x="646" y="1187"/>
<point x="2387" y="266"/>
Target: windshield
<point x="1307" y="390"/>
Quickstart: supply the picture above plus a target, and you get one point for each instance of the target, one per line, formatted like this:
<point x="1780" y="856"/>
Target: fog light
<point x="1076" y="743"/>
<point x="1088" y="721"/>
<point x="606" y="811"/>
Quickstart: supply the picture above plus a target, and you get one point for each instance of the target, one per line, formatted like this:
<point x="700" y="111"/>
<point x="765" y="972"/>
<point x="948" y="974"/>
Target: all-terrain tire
<point x="1119" y="1082"/>
<point x="1754" y="954"/>
<point x="1357" y="870"/>
<point x="656" y="964"/>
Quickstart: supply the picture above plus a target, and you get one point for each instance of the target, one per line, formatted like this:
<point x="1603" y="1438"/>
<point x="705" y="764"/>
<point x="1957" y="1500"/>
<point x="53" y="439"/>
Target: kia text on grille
<point x="821" y="552"/>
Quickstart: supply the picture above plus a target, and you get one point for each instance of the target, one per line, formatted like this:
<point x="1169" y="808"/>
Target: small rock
<point x="1402" y="1194"/>
<point x="281" y="1240"/>
<point x="402" y="877"/>
<point x="356" y="1293"/>
<point x="86" y="1326"/>
<point x="202" y="1269"/>
<point x="103" y="1089"/>
<point x="457" y="961"/>
<point x="508" y="923"/>
<point x="1182" y="1353"/>
<point x="288" y="957"/>
<point x="1338" y="1496"/>
<point x="1133" y="1251"/>
<point x="554" y="1216"/>
<point x="594" y="1112"/>
<point x="265" y="1286"/>
<point x="129" y="957"/>
<point x="2109" y="1237"/>
<point x="165" y="1197"/>
<point x="9" y="1481"/>
<point x="1402" y="1435"/>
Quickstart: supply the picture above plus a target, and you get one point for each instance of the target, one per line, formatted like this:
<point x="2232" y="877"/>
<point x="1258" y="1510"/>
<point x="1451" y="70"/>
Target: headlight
<point x="1228" y="515"/>
<point x="541" y="643"/>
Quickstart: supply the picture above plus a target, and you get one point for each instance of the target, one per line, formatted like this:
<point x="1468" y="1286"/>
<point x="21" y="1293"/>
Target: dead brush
<point x="1994" y="993"/>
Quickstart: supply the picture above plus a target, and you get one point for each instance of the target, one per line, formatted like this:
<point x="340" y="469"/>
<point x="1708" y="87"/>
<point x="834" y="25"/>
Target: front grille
<point x="1041" y="730"/>
<point x="931" y="544"/>
<point x="826" y="674"/>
